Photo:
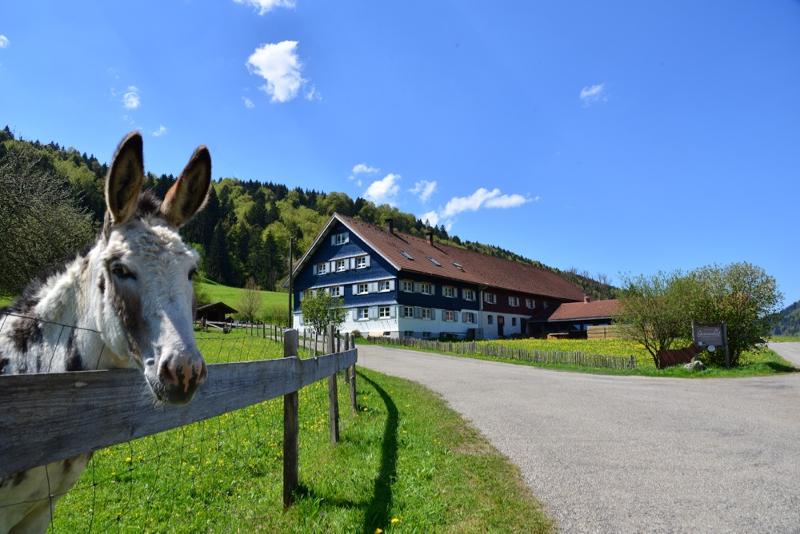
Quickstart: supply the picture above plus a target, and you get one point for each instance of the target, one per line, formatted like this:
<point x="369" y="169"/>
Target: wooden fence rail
<point x="51" y="417"/>
<point x="505" y="351"/>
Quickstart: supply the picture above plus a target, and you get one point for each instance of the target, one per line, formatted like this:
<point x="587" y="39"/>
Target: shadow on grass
<point x="780" y="368"/>
<point x="377" y="513"/>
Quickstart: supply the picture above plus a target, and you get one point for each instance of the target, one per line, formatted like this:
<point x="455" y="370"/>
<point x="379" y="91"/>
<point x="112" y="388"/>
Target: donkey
<point x="129" y="303"/>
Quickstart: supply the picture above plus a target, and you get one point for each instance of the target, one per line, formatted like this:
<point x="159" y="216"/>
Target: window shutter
<point x="367" y="260"/>
<point x="352" y="263"/>
<point x="455" y="317"/>
<point x="417" y="287"/>
<point x="333" y="239"/>
<point x="373" y="287"/>
<point x="464" y="318"/>
<point x="347" y="237"/>
<point x="417" y="312"/>
<point x="373" y="312"/>
<point x="355" y="289"/>
<point x="314" y="268"/>
<point x="391" y="285"/>
<point x="341" y="291"/>
<point x="392" y="311"/>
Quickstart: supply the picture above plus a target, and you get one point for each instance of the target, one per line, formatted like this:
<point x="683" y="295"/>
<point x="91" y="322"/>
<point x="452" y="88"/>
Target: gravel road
<point x="631" y="454"/>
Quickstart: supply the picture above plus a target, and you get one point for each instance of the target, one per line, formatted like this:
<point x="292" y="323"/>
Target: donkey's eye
<point x="122" y="272"/>
<point x="192" y="273"/>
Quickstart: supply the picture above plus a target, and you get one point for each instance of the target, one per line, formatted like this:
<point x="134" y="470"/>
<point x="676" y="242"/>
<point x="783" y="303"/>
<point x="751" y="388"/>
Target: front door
<point x="501" y="322"/>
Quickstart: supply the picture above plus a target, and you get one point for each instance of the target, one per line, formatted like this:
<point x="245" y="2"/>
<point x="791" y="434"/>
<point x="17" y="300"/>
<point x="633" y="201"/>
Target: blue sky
<point x="610" y="136"/>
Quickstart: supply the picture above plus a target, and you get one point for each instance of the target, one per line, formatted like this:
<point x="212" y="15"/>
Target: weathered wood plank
<point x="291" y="429"/>
<point x="50" y="417"/>
<point x="333" y="393"/>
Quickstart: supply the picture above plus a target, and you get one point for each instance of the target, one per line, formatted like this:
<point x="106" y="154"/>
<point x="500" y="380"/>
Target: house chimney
<point x="586" y="298"/>
<point x="429" y="233"/>
<point x="390" y="225"/>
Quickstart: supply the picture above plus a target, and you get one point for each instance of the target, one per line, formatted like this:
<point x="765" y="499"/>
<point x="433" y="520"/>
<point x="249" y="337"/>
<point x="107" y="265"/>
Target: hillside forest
<point x="244" y="231"/>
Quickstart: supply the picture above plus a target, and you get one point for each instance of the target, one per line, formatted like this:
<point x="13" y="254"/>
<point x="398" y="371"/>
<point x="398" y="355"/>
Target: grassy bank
<point x="785" y="339"/>
<point x="757" y="362"/>
<point x="405" y="463"/>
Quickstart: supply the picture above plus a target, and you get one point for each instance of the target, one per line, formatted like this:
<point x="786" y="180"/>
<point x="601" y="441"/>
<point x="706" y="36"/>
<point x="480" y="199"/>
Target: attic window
<point x="458" y="266"/>
<point x="407" y="255"/>
<point x="435" y="261"/>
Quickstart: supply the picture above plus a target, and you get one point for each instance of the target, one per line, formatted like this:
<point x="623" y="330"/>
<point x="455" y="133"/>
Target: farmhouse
<point x="398" y="285"/>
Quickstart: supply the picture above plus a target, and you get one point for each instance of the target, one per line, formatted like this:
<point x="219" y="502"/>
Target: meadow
<point x="757" y="362"/>
<point x="405" y="463"/>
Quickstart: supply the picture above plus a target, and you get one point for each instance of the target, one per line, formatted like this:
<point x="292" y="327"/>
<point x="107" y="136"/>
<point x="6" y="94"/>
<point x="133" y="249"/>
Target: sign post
<point x="710" y="337"/>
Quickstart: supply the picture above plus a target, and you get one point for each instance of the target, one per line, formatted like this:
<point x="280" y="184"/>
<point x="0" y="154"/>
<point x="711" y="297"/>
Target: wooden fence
<point x="51" y="417"/>
<point x="603" y="332"/>
<point x="504" y="351"/>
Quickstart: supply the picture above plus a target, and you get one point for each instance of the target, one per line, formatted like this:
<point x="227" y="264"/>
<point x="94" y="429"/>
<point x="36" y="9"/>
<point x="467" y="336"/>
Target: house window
<point x="341" y="265"/>
<point x="340" y="239"/>
<point x="449" y="291"/>
<point x="434" y="261"/>
<point x="322" y="268"/>
<point x="407" y="286"/>
<point x="427" y="313"/>
<point x="489" y="319"/>
<point x="408" y="333"/>
<point x="384" y="312"/>
<point x="469" y="317"/>
<point x="335" y="291"/>
<point x="385" y="285"/>
<point x="407" y="255"/>
<point x="544" y="304"/>
<point x="513" y="301"/>
<point x="469" y="294"/>
<point x="361" y="262"/>
<point x="458" y="266"/>
<point x="363" y="314"/>
<point x="513" y="321"/>
<point x="426" y="288"/>
<point x="530" y="304"/>
<point x="362" y="289"/>
<point x="408" y="312"/>
<point x="449" y="315"/>
<point x="491" y="298"/>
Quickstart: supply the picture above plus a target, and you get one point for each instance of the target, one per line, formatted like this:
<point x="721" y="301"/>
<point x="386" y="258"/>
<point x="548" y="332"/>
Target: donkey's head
<point x="142" y="273"/>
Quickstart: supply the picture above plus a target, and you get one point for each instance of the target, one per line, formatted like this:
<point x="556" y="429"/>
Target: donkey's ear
<point x="125" y="179"/>
<point x="188" y="194"/>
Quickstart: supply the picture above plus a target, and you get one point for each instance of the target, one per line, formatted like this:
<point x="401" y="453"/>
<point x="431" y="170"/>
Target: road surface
<point x="631" y="454"/>
<point x="789" y="352"/>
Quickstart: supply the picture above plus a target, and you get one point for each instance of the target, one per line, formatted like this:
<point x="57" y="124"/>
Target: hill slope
<point x="245" y="229"/>
<point x="788" y="322"/>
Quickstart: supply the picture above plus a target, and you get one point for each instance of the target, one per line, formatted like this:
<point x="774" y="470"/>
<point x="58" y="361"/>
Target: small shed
<point x="214" y="312"/>
<point x="573" y="319"/>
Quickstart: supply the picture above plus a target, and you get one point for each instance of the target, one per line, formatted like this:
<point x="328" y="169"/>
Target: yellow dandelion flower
<point x="394" y="520"/>
<point x="378" y="530"/>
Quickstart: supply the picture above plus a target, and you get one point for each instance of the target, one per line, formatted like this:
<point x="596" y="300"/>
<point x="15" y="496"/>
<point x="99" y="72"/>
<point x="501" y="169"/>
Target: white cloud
<point x="592" y="94"/>
<point x="424" y="189"/>
<point x="130" y="98"/>
<point x="312" y="94"/>
<point x="363" y="168"/>
<point x="248" y="103"/>
<point x="162" y="130"/>
<point x="4" y="42"/>
<point x="432" y="218"/>
<point x="384" y="191"/>
<point x="265" y="6"/>
<point x="482" y="198"/>
<point x="280" y="67"/>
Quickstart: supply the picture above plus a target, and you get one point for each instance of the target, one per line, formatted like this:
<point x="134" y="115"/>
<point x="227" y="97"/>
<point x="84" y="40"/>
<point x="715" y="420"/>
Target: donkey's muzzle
<point x="179" y="377"/>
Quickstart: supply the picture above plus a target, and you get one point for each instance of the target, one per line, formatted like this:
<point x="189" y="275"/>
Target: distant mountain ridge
<point x="245" y="229"/>
<point x="788" y="321"/>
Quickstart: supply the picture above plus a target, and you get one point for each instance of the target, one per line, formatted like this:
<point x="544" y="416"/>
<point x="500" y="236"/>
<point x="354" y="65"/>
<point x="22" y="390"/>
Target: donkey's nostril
<point x="149" y="362"/>
<point x="166" y="372"/>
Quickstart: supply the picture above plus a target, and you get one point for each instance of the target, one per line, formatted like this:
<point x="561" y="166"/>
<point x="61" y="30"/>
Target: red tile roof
<point x="475" y="268"/>
<point x="570" y="311"/>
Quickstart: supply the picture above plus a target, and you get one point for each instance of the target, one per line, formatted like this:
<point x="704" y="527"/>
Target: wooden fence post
<point x="333" y="397"/>
<point x="351" y="372"/>
<point x="291" y="427"/>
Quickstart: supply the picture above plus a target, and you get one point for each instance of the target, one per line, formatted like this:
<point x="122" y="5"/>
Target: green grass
<point x="758" y="362"/>
<point x="232" y="295"/>
<point x="406" y="457"/>
<point x="6" y="301"/>
<point x="785" y="339"/>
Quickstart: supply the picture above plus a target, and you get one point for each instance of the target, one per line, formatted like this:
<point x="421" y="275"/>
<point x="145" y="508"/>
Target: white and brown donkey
<point x="130" y="300"/>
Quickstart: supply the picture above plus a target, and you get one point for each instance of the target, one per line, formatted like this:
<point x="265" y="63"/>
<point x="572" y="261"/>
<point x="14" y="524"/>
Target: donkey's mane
<point x="148" y="206"/>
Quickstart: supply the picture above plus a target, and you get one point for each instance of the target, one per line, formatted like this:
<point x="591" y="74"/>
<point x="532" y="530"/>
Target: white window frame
<point x="427" y="314"/>
<point x="341" y="266"/>
<point x="470" y="317"/>
<point x="408" y="312"/>
<point x="449" y="316"/>
<point x="361" y="262"/>
<point x="469" y="294"/>
<point x="335" y="291"/>
<point x="358" y="288"/>
<point x="322" y="268"/>
<point x="340" y="238"/>
<point x="384" y="286"/>
<point x="513" y="301"/>
<point x="362" y="314"/>
<point x="407" y="286"/>
<point x="426" y="288"/>
<point x="384" y="312"/>
<point x="490" y="298"/>
<point x="530" y="304"/>
<point x="449" y="289"/>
